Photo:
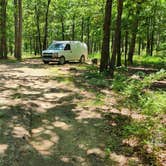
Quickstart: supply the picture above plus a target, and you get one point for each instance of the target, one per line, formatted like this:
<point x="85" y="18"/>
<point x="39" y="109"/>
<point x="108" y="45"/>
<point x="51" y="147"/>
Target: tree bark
<point x="18" y="29"/>
<point x="134" y="35"/>
<point x="152" y="43"/>
<point x="139" y="46"/>
<point x="126" y="46"/>
<point x="88" y="34"/>
<point x="82" y="29"/>
<point x="3" y="40"/>
<point x="38" y="29"/>
<point x="148" y="37"/>
<point x="63" y="28"/>
<point x="120" y="10"/>
<point x="73" y="28"/>
<point x="117" y="39"/>
<point x="46" y="26"/>
<point x="105" y="53"/>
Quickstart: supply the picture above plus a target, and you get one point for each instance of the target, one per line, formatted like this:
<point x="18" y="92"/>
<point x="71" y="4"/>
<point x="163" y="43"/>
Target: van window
<point x="67" y="47"/>
<point x="56" y="46"/>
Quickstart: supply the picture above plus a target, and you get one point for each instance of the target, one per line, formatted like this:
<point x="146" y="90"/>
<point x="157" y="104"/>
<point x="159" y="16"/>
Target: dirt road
<point x="49" y="116"/>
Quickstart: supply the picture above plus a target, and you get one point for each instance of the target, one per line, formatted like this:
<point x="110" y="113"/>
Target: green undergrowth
<point x="150" y="61"/>
<point x="135" y="92"/>
<point x="157" y="61"/>
<point x="25" y="56"/>
<point x="137" y="95"/>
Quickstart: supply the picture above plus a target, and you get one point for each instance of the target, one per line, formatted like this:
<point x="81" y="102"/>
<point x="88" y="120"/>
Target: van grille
<point x="47" y="55"/>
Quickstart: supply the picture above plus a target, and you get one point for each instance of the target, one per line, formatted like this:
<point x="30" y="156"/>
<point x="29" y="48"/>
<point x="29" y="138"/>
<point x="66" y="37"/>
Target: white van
<point x="62" y="51"/>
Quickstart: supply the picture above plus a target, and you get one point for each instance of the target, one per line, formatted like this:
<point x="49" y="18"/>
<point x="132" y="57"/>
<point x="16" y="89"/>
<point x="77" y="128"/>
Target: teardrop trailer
<point x="62" y="51"/>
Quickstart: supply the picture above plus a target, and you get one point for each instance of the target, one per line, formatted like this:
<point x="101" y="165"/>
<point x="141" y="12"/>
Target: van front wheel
<point x="46" y="62"/>
<point x="62" y="60"/>
<point x="82" y="59"/>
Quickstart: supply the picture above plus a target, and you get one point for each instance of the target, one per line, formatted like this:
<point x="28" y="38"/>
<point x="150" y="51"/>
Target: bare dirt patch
<point x="46" y="119"/>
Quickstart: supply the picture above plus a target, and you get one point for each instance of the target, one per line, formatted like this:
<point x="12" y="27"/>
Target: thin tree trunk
<point x="148" y="37"/>
<point x="134" y="35"/>
<point x="18" y="28"/>
<point x="126" y="46"/>
<point x="153" y="32"/>
<point x="46" y="26"/>
<point x="88" y="34"/>
<point x="3" y="41"/>
<point x="139" y="46"/>
<point x="73" y="28"/>
<point x="82" y="29"/>
<point x="112" y="41"/>
<point x="152" y="43"/>
<point x="63" y="28"/>
<point x="38" y="29"/>
<point x="105" y="53"/>
<point x="117" y="40"/>
<point x="120" y="10"/>
<point x="30" y="44"/>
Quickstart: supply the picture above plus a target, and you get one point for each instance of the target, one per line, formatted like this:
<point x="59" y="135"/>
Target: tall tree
<point x="134" y="33"/>
<point x="117" y="40"/>
<point x="82" y="29"/>
<point x="46" y="26"/>
<point x="18" y="28"/>
<point x="105" y="53"/>
<point x="3" y="42"/>
<point x="38" y="28"/>
<point x="63" y="27"/>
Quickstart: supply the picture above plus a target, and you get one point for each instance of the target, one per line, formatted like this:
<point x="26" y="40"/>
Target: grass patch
<point x="95" y="55"/>
<point x="150" y="61"/>
<point x="138" y="96"/>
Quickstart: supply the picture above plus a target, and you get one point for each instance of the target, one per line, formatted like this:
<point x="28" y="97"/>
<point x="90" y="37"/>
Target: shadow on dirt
<point x="42" y="123"/>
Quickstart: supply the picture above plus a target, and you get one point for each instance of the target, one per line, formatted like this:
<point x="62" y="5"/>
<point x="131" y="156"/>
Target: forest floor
<point x="50" y="116"/>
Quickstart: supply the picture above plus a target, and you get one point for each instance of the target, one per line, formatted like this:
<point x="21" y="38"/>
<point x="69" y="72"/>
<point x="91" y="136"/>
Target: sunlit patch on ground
<point x="43" y="140"/>
<point x="96" y="151"/>
<point x="19" y="132"/>
<point x="3" y="148"/>
<point x="50" y="116"/>
<point x="88" y="115"/>
<point x="61" y="125"/>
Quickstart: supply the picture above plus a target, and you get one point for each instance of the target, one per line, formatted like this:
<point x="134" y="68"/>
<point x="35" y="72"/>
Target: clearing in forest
<point x="49" y="115"/>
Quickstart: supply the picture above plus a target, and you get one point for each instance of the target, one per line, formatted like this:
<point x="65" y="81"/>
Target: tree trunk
<point x="139" y="46"/>
<point x="126" y="46"/>
<point x="73" y="28"/>
<point x="88" y="34"/>
<point x="152" y="43"/>
<point x="38" y="29"/>
<point x="18" y="29"/>
<point x="3" y="41"/>
<point x="63" y="28"/>
<point x="105" y="53"/>
<point x="153" y="32"/>
<point x="117" y="39"/>
<point x="148" y="37"/>
<point x="134" y="35"/>
<point x="46" y="26"/>
<point x="82" y="29"/>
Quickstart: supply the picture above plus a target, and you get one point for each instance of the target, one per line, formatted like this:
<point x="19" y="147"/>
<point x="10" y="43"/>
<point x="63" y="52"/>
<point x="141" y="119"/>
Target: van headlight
<point x="55" y="55"/>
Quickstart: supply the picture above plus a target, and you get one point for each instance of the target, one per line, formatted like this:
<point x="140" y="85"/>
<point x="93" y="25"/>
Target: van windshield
<point x="56" y="46"/>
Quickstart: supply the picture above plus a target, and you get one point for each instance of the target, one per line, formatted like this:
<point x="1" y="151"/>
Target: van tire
<point x="82" y="59"/>
<point x="45" y="62"/>
<point x="62" y="60"/>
